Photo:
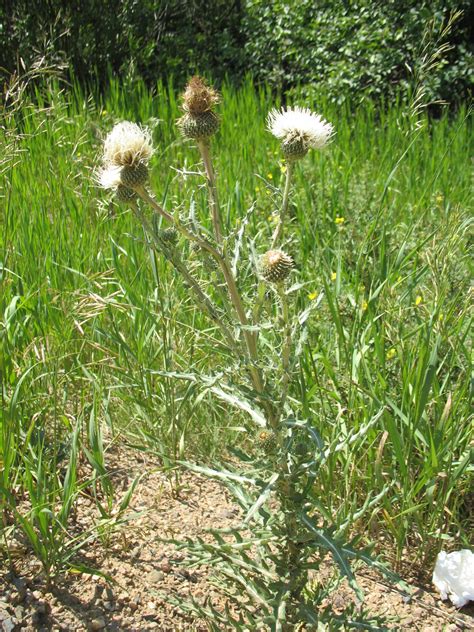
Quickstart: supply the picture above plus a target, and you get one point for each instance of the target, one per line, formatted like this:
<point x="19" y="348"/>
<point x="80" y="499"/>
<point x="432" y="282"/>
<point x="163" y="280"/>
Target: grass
<point x="90" y="317"/>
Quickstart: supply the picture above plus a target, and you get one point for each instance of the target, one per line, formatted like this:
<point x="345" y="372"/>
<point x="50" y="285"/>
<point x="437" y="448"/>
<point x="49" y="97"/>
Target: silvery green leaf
<point x="224" y="474"/>
<point x="337" y="551"/>
<point x="262" y="498"/>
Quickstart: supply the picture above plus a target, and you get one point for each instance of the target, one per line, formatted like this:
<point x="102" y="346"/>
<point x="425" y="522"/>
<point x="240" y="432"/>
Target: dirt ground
<point x="145" y="570"/>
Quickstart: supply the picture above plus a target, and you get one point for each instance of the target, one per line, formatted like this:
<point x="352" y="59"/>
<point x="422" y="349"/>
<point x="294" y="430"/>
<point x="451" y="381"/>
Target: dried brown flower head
<point x="198" y="98"/>
<point x="276" y="265"/>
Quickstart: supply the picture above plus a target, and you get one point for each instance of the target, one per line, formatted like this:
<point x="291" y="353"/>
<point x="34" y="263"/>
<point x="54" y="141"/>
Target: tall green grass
<point x="382" y="220"/>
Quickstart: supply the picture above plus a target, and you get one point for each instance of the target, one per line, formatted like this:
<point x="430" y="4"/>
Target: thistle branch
<point x="249" y="336"/>
<point x="202" y="300"/>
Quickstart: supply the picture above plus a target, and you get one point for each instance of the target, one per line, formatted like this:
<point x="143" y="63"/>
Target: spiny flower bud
<point x="276" y="265"/>
<point x="199" y="121"/>
<point x="124" y="194"/>
<point x="267" y="441"/>
<point x="134" y="176"/>
<point x="294" y="148"/>
<point x="199" y="126"/>
<point x="169" y="235"/>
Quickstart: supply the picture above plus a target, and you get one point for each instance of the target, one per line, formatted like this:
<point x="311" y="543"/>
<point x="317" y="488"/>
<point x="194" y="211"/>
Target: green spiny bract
<point x="276" y="265"/>
<point x="200" y="126"/>
<point x="133" y="176"/>
<point x="124" y="194"/>
<point x="294" y="148"/>
<point x="169" y="235"/>
<point x="199" y="121"/>
<point x="267" y="441"/>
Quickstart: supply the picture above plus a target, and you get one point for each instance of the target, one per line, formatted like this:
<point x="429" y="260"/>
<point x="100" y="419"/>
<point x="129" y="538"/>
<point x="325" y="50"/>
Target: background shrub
<point x="333" y="47"/>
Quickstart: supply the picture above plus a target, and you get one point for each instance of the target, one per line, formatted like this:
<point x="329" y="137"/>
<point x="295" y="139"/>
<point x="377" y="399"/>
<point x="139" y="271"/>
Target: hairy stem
<point x="286" y="347"/>
<point x="203" y="147"/>
<point x="203" y="301"/>
<point x="278" y="233"/>
<point x="250" y="337"/>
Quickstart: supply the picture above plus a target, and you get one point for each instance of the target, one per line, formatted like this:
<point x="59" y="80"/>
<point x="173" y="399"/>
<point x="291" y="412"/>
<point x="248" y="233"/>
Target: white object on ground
<point x="453" y="576"/>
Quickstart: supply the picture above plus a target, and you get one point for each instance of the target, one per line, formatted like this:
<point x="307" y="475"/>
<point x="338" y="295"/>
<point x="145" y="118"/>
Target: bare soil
<point x="145" y="570"/>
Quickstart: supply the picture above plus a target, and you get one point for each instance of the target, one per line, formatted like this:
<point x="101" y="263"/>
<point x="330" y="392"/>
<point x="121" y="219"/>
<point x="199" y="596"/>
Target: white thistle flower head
<point x="299" y="129"/>
<point x="127" y="145"/>
<point x="109" y="177"/>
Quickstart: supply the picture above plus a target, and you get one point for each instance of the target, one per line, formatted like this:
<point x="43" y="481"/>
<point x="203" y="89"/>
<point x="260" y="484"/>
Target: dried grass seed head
<point x="299" y="129"/>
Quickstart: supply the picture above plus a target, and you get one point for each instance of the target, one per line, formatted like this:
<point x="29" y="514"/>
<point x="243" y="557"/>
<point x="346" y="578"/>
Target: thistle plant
<point x="266" y="566"/>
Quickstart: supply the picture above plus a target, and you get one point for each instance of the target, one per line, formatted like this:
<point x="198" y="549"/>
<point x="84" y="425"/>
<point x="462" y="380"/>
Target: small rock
<point x="149" y="615"/>
<point x="97" y="624"/>
<point x="228" y="513"/>
<point x="19" y="612"/>
<point x="165" y="566"/>
<point x="21" y="587"/>
<point x="4" y="614"/>
<point x="155" y="577"/>
<point x="135" y="602"/>
<point x="8" y="625"/>
<point x="37" y="594"/>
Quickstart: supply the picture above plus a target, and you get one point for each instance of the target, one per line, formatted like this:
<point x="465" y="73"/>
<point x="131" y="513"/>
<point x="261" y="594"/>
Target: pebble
<point x="19" y="612"/>
<point x="8" y="625"/>
<point x="155" y="577"/>
<point x="135" y="603"/>
<point x="97" y="624"/>
<point x="165" y="566"/>
<point x="21" y="586"/>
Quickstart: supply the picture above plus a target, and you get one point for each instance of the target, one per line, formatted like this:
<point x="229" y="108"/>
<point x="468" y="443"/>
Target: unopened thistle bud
<point x="124" y="194"/>
<point x="276" y="265"/>
<point x="299" y="130"/>
<point x="199" y="121"/>
<point x="127" y="151"/>
<point x="169" y="235"/>
<point x="267" y="441"/>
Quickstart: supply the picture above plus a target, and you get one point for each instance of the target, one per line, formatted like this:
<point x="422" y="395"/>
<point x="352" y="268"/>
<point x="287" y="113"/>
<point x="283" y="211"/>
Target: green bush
<point x="346" y="49"/>
<point x="338" y="48"/>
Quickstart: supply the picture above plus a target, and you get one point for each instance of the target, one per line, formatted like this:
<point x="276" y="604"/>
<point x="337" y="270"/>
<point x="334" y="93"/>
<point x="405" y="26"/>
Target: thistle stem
<point x="286" y="347"/>
<point x="249" y="336"/>
<point x="278" y="233"/>
<point x="203" y="301"/>
<point x="203" y="147"/>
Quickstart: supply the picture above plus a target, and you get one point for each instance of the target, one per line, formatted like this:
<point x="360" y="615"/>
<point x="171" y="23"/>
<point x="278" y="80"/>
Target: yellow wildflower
<point x="340" y="220"/>
<point x="312" y="296"/>
<point x="364" y="305"/>
<point x="333" y="276"/>
<point x="391" y="353"/>
<point x="270" y="176"/>
<point x="418" y="300"/>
